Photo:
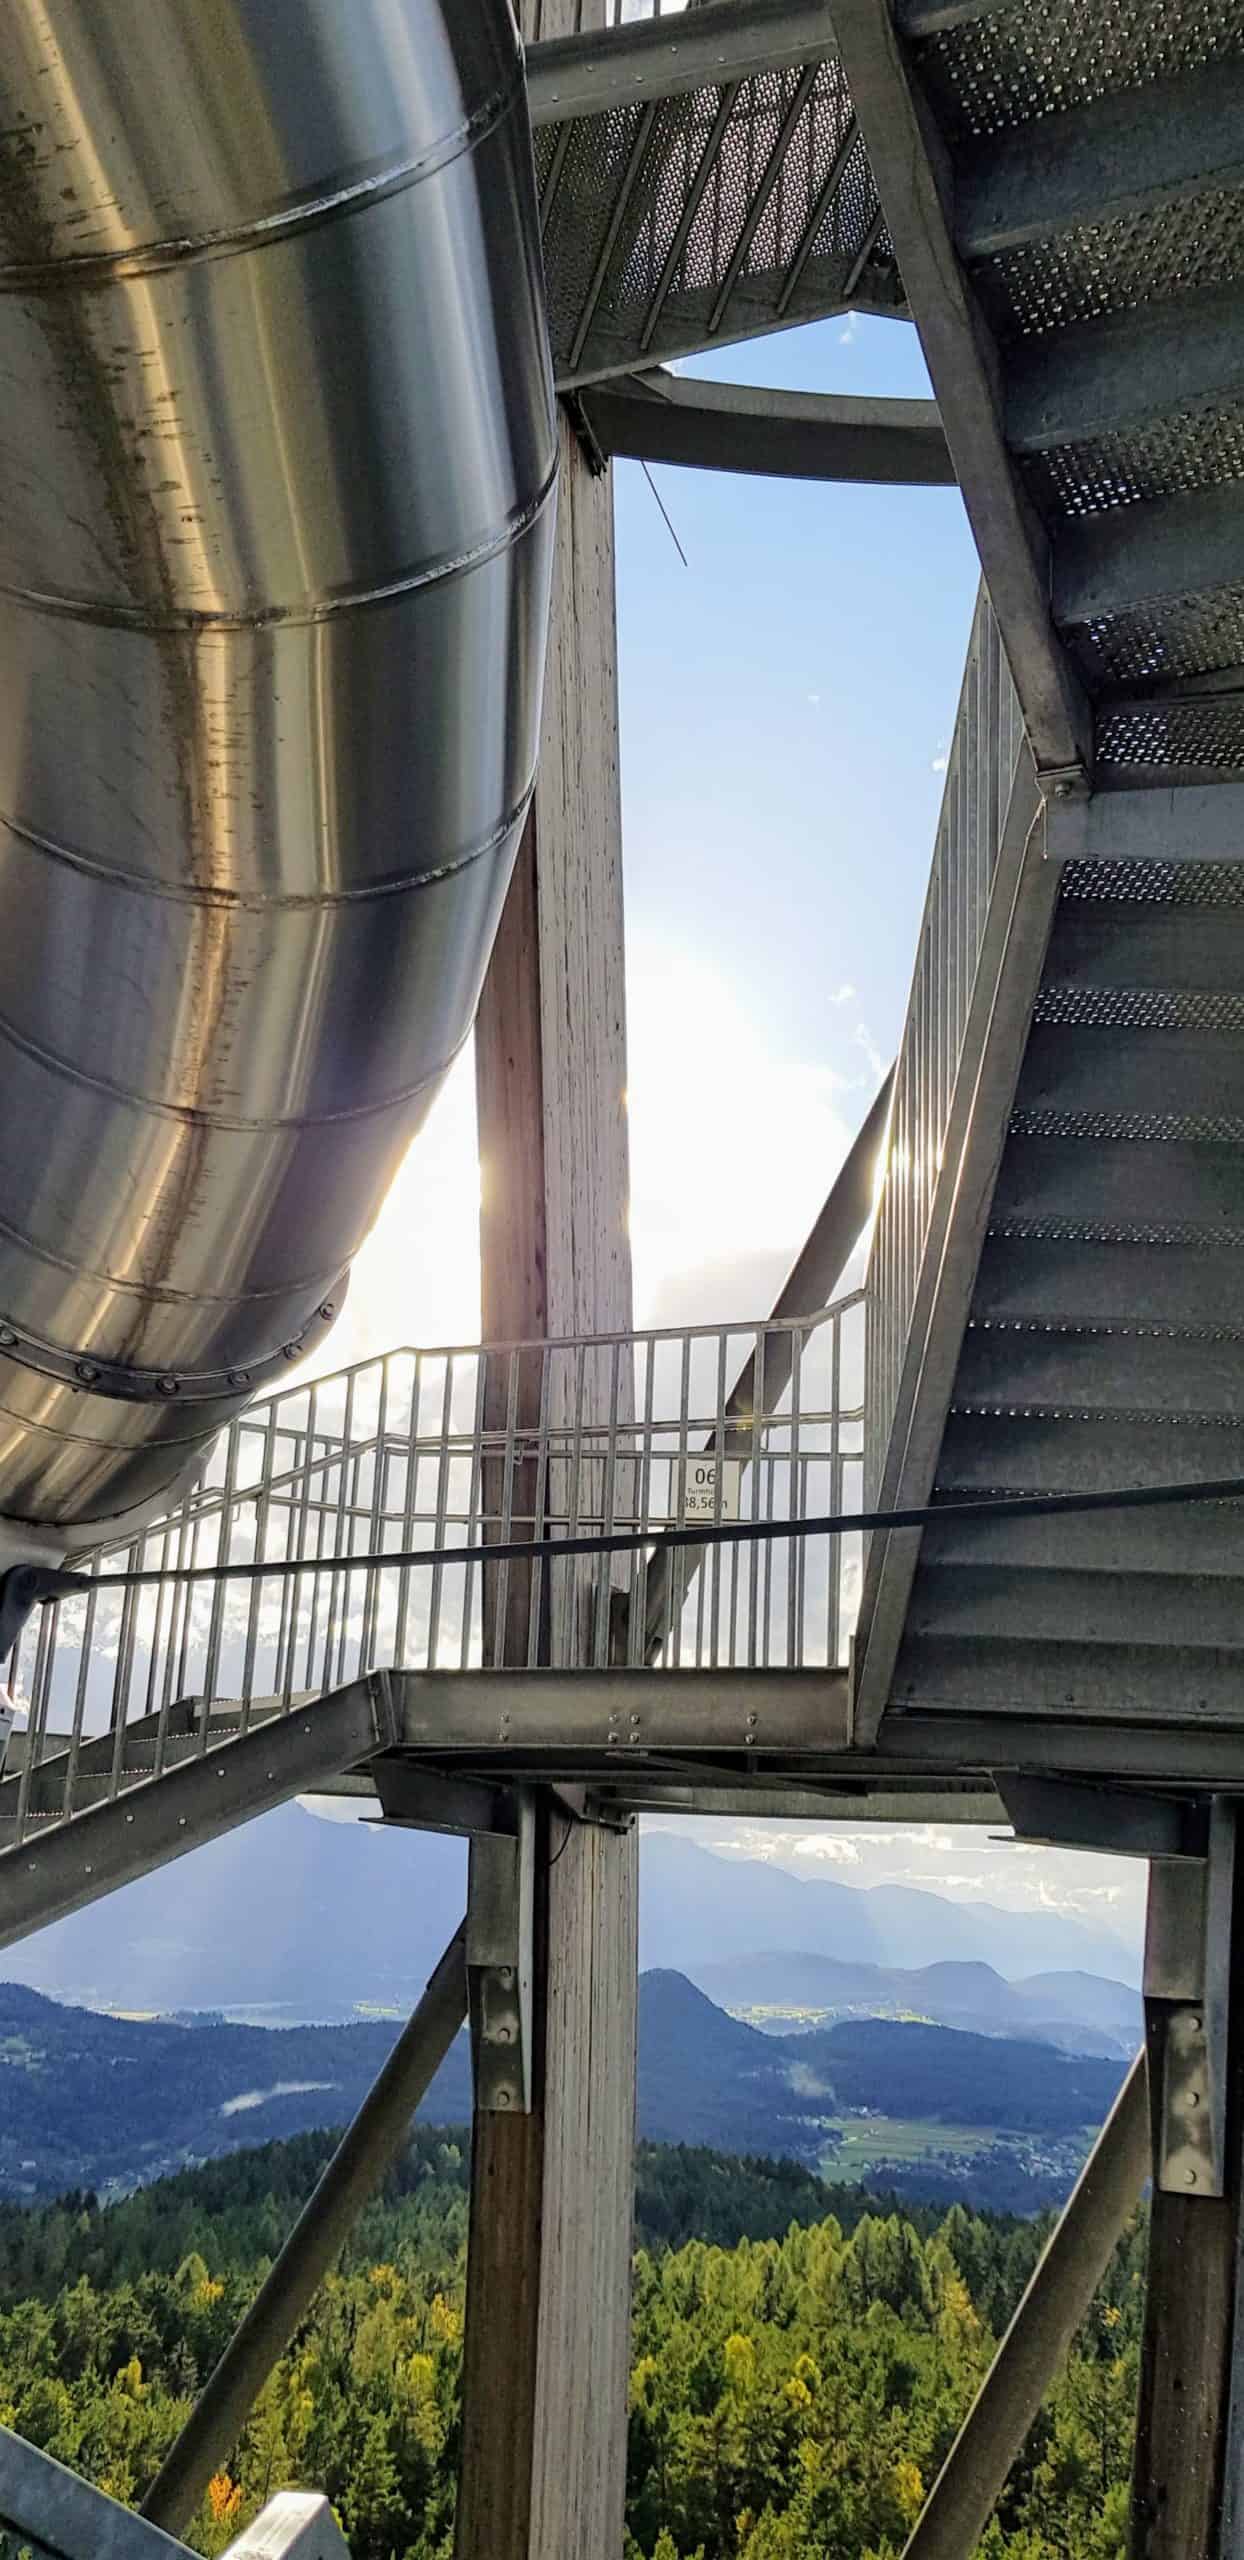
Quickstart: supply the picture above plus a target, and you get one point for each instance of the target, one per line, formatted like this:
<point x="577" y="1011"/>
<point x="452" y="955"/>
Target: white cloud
<point x="845" y="994"/>
<point x="940" y="760"/>
<point x="848" y="334"/>
<point x="864" y="1040"/>
<point x="732" y="1148"/>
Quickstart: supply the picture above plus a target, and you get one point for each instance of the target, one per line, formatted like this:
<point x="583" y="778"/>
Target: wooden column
<point x="1190" y="2417"/>
<point x="548" y="2307"/>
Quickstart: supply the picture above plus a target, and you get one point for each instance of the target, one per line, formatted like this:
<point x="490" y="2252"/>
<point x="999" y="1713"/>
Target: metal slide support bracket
<point x="501" y="1962"/>
<point x="1187" y="1972"/>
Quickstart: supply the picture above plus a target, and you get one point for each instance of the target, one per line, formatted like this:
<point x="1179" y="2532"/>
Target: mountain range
<point x="295" y="1917"/>
<point x="1080" y="2012"/>
<point x="89" y="2100"/>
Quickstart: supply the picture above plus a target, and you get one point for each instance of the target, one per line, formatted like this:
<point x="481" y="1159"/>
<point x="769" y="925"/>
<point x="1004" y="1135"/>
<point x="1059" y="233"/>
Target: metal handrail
<point x="459" y="1447"/>
<point x="46" y="2510"/>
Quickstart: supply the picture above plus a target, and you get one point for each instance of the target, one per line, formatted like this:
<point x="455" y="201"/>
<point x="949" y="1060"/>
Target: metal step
<point x="1204" y="1540"/>
<point x="1005" y="1368"/>
<point x="1131" y="1187"/>
<point x="1127" y="1682"/>
<point x="1119" y="1080"/>
<point x="1042" y="1454"/>
<point x="1033" y="1606"/>
<point x="1065" y="1279"/>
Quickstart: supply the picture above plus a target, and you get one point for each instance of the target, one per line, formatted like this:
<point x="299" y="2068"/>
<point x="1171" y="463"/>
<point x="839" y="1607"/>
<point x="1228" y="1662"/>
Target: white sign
<point x="706" y="1481"/>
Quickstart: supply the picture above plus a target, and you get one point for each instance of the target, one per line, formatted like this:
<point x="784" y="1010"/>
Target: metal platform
<point x="702" y="178"/>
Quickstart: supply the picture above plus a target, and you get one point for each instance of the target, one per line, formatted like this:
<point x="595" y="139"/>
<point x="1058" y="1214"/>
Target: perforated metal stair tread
<point x="1098" y="192"/>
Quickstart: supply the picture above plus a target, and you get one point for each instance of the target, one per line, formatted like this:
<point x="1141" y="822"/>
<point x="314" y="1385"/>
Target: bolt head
<point x="87" y="1371"/>
<point x="239" y="1377"/>
<point x="166" y="1386"/>
<point x="8" y="1339"/>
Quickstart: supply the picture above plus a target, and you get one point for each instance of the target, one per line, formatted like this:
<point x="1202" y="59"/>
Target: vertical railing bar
<point x="637" y="1628"/>
<point x="475" y="1520"/>
<point x="157" y="1628"/>
<point x="282" y="1682"/>
<point x="722" y="1463"/>
<point x="35" y="1723"/>
<point x="408" y="1511"/>
<point x="604" y="1573"/>
<point x="338" y="1583"/>
<point x="796" y="1506"/>
<point x="379" y="1513"/>
<point x="224" y="1553"/>
<point x="79" y="1697"/>
<point x="187" y="1615"/>
<point x="753" y="1560"/>
<point x="576" y="1476"/>
<point x="442" y="1502"/>
<point x="120" y="1686"/>
<point x="263" y="1501"/>
<point x="311" y="1583"/>
<point x="834" y="1560"/>
<point x="678" y="1585"/>
<point x="539" y="1525"/>
<point x="506" y="1525"/>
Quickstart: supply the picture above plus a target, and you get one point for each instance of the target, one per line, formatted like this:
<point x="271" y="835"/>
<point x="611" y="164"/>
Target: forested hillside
<point x="797" y="2377"/>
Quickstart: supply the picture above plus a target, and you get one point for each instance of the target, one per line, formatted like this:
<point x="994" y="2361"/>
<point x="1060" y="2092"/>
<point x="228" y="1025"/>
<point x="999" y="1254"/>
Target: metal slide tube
<point x="279" y="455"/>
<point x="1056" y="2300"/>
<point x="355" y="2170"/>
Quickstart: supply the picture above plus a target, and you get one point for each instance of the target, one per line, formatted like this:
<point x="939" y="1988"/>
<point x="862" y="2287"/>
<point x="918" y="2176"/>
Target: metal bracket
<point x="1187" y="1960"/>
<point x="500" y="1963"/>
<point x="21" y="1590"/>
<point x="1063" y="781"/>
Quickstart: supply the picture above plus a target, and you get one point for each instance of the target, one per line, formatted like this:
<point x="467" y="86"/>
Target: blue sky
<point x="786" y="700"/>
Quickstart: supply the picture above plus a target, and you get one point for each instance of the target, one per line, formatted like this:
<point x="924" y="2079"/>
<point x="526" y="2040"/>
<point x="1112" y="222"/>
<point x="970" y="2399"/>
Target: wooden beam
<point x="1185" y="2465"/>
<point x="548" y="2313"/>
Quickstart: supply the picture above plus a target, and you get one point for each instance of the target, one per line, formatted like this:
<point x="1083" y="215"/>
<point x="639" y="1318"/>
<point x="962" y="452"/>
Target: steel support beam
<point x="1140" y="148"/>
<point x="362" y="2156"/>
<point x="783" y="435"/>
<point x="564" y="1712"/>
<point x="654" y="58"/>
<point x="913" y="179"/>
<point x="1058" y="2297"/>
<point x="64" y="2517"/>
<point x="69" y="1864"/>
<point x="1008" y="974"/>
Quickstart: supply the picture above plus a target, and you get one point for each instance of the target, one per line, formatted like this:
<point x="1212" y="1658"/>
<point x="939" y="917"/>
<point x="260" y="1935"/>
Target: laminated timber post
<point x="546" y="2353"/>
<point x="1188" y="2477"/>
